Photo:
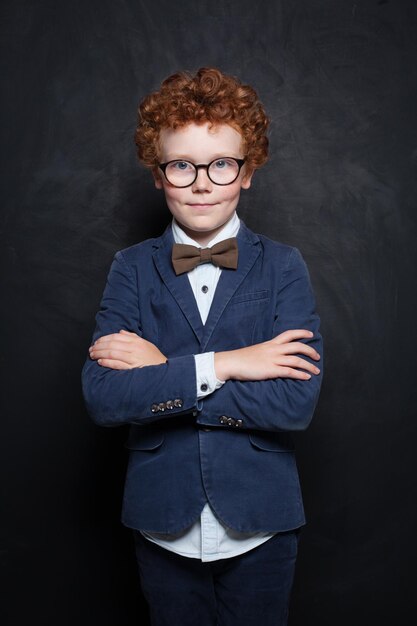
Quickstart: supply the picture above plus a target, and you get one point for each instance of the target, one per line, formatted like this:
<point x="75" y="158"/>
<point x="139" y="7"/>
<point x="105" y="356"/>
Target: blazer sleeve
<point x="115" y="397"/>
<point x="281" y="403"/>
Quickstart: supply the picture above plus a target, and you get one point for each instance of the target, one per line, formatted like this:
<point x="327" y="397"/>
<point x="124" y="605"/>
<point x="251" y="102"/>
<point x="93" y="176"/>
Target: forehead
<point x="200" y="142"/>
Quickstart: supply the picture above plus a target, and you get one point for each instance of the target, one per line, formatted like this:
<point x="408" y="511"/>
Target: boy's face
<point x="203" y="208"/>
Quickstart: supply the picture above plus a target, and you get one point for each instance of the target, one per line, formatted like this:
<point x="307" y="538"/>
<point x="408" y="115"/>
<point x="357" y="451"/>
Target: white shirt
<point x="208" y="538"/>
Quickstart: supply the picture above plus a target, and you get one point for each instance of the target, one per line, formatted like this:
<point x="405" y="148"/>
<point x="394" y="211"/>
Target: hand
<point x="277" y="358"/>
<point x="125" y="350"/>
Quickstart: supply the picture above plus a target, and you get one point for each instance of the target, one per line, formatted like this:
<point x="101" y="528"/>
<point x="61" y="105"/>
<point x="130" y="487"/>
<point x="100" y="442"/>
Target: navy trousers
<point x="252" y="589"/>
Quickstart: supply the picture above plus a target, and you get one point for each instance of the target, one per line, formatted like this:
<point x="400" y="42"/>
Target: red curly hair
<point x="208" y="96"/>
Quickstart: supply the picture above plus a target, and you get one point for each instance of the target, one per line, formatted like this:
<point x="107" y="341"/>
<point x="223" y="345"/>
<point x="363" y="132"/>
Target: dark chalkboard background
<point x="338" y="79"/>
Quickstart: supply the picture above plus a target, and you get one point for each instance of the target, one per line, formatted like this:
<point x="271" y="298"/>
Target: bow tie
<point x="223" y="254"/>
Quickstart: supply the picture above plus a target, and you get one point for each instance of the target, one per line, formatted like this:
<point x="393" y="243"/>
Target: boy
<point x="207" y="343"/>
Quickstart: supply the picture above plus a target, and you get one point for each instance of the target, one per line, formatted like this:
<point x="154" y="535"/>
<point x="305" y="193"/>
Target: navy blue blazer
<point x="233" y="448"/>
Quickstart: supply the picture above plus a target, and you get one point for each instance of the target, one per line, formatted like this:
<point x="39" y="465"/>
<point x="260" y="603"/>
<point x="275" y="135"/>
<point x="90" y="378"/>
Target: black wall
<point x="338" y="79"/>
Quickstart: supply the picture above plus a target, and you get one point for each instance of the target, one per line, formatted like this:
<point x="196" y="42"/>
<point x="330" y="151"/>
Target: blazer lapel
<point x="230" y="280"/>
<point x="179" y="286"/>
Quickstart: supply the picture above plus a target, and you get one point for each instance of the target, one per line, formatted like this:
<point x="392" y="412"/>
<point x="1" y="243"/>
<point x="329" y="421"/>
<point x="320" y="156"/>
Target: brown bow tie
<point x="185" y="258"/>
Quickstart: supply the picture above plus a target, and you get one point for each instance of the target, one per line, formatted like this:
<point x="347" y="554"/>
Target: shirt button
<point x="204" y="289"/>
<point x="203" y="387"/>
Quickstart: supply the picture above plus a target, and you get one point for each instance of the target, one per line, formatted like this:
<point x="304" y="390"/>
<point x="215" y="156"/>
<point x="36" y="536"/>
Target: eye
<point x="222" y="164"/>
<point x="180" y="166"/>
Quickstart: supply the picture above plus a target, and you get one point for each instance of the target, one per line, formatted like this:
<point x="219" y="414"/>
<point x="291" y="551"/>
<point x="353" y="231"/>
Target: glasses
<point x="221" y="171"/>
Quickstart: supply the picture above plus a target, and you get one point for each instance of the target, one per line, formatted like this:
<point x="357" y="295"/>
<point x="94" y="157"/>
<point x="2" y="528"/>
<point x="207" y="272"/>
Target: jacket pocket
<point x="144" y="438"/>
<point x="272" y="442"/>
<point x="250" y="297"/>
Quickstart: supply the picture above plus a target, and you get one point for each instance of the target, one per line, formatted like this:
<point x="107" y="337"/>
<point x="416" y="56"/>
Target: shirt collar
<point x="230" y="229"/>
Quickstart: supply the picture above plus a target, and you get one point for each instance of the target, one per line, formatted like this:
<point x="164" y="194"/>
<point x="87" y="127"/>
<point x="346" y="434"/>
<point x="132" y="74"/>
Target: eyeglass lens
<point x="221" y="172"/>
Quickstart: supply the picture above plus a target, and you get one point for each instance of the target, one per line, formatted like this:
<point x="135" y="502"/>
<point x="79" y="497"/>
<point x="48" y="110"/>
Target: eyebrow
<point x="220" y="155"/>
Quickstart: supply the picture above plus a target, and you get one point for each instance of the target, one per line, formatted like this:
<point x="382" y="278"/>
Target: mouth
<point x="201" y="204"/>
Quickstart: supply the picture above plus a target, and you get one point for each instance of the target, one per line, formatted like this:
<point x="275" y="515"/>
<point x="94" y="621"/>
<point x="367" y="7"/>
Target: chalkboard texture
<point x="338" y="79"/>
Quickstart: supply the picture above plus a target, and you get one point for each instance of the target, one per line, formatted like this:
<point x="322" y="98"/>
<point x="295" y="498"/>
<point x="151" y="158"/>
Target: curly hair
<point x="208" y="96"/>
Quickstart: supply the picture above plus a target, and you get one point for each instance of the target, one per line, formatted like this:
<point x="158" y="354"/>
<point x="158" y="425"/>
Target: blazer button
<point x="169" y="404"/>
<point x="178" y="403"/>
<point x="223" y="419"/>
<point x="203" y="387"/>
<point x="154" y="408"/>
<point x="239" y="423"/>
<point x="162" y="406"/>
<point x="230" y="421"/>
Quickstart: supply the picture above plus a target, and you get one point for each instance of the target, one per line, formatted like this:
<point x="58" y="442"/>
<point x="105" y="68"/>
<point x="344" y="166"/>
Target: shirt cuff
<point x="206" y="378"/>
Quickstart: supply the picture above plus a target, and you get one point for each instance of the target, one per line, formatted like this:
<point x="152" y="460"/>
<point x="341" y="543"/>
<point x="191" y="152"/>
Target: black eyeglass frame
<point x="163" y="166"/>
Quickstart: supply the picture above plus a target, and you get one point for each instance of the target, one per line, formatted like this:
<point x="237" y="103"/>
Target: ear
<point x="157" y="178"/>
<point x="247" y="179"/>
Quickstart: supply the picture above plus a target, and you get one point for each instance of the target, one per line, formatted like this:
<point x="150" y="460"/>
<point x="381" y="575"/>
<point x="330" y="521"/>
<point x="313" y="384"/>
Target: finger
<point x="119" y="355"/>
<point x="127" y="332"/>
<point x="296" y="347"/>
<point x="107" y="338"/>
<point x="114" y="364"/>
<point x="298" y="363"/>
<point x="293" y="335"/>
<point x="290" y="372"/>
<point x="116" y="343"/>
<point x="115" y="337"/>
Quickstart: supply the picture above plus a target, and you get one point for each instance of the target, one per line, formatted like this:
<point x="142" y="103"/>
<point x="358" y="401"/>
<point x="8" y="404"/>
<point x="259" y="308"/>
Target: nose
<point x="202" y="182"/>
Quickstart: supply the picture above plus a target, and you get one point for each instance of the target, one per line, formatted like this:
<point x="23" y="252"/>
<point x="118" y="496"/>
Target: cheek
<point x="231" y="193"/>
<point x="172" y="194"/>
